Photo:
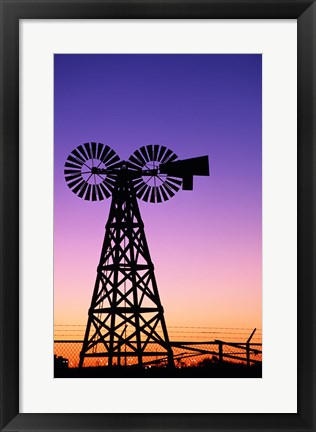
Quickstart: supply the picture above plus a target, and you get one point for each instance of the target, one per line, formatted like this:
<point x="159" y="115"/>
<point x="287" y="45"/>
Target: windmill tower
<point x="126" y="317"/>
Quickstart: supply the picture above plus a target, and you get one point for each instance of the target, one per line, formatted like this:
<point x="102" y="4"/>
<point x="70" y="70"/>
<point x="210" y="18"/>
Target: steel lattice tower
<point x="126" y="317"/>
<point x="125" y="311"/>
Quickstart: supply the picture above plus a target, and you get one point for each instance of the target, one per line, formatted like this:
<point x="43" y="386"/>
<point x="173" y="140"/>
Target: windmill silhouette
<point x="126" y="317"/>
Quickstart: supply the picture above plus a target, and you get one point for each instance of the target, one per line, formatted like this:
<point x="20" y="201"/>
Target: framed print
<point x="157" y="206"/>
<point x="219" y="286"/>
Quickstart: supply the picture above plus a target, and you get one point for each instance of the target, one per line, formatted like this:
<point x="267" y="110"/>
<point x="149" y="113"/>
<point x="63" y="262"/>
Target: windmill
<point x="126" y="317"/>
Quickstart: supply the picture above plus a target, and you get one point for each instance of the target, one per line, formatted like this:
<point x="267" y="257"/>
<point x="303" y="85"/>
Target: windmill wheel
<point x="80" y="175"/>
<point x="158" y="187"/>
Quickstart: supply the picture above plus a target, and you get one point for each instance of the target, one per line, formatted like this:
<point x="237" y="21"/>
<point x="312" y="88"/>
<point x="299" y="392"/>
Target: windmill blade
<point x="78" y="187"/>
<point x="112" y="169"/>
<point x="150" y="151"/>
<point x="175" y="180"/>
<point x="74" y="161"/>
<point x="114" y="161"/>
<point x="136" y="164"/>
<point x="83" y="152"/>
<point x="146" y="194"/>
<point x="163" y="192"/>
<point x="109" y="155"/>
<point x="171" y="185"/>
<point x="94" y="192"/>
<point x="158" y="196"/>
<point x="111" y="178"/>
<point x="99" y="193"/>
<point x="108" y="185"/>
<point x="87" y="195"/>
<point x="106" y="149"/>
<point x="88" y="150"/>
<point x="140" y="189"/>
<point x="161" y="153"/>
<point x="168" y="190"/>
<point x="168" y="155"/>
<point x="71" y="165"/>
<point x="82" y="190"/>
<point x="74" y="182"/>
<point x="99" y="150"/>
<point x="153" y="194"/>
<point x="139" y="156"/>
<point x="137" y="181"/>
<point x="78" y="156"/>
<point x="144" y="191"/>
<point x="143" y="151"/>
<point x="172" y="158"/>
<point x="156" y="150"/>
<point x="106" y="192"/>
<point x="73" y="176"/>
<point x="110" y="181"/>
<point x="94" y="150"/>
<point x="73" y="171"/>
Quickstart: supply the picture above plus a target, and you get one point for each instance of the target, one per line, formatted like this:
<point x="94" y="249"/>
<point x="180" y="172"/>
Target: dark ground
<point x="225" y="370"/>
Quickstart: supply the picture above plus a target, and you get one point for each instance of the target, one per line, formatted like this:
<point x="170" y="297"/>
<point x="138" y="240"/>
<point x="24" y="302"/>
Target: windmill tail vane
<point x="126" y="321"/>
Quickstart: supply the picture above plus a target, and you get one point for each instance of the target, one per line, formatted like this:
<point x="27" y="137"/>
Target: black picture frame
<point x="11" y="12"/>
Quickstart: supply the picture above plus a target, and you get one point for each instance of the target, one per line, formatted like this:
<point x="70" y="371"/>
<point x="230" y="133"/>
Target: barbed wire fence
<point x="192" y="346"/>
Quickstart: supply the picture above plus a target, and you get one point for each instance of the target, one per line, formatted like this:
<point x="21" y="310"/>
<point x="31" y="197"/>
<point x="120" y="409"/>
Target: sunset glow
<point x="206" y="244"/>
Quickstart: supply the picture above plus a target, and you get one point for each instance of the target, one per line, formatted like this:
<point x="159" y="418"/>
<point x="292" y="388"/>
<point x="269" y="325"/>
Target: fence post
<point x="248" y="347"/>
<point x="248" y="353"/>
<point x="220" y="351"/>
<point x="119" y="356"/>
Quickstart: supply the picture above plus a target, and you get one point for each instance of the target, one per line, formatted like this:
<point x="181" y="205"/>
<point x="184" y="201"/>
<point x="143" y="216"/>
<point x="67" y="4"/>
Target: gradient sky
<point x="205" y="244"/>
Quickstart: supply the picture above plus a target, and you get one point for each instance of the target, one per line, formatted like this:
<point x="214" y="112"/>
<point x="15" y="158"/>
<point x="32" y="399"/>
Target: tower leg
<point x="170" y="359"/>
<point x="81" y="360"/>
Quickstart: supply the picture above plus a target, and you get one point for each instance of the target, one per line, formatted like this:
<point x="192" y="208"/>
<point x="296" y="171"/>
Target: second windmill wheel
<point x="157" y="187"/>
<point x="82" y="171"/>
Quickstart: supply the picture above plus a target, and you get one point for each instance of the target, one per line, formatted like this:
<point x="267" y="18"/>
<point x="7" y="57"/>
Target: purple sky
<point x="205" y="244"/>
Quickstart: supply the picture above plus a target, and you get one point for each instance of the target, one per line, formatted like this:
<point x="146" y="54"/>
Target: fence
<point x="188" y="333"/>
<point x="186" y="354"/>
<point x="218" y="345"/>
